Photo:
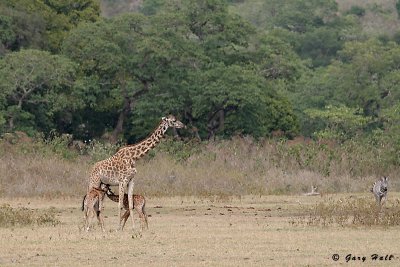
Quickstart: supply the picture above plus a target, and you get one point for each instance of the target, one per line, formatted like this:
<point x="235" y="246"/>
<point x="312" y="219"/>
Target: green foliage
<point x="21" y="26"/>
<point x="365" y="76"/>
<point x="6" y="33"/>
<point x="151" y="62"/>
<point x="179" y="150"/>
<point x="244" y="97"/>
<point x="222" y="67"/>
<point x="356" y="10"/>
<point x="43" y="24"/>
<point x="99" y="150"/>
<point x="35" y="86"/>
<point x="150" y="7"/>
<point x="277" y="59"/>
<point x="341" y="122"/>
<point x="398" y="8"/>
<point x="313" y="28"/>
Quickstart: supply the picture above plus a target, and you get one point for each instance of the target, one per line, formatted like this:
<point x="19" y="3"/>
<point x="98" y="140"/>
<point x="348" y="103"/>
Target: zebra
<point x="379" y="189"/>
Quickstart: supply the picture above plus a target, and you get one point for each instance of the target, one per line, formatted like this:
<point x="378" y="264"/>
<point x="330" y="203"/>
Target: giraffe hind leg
<point x="89" y="216"/>
<point x="145" y="217"/>
<point x="125" y="218"/>
<point x="99" y="215"/>
<point x="100" y="220"/>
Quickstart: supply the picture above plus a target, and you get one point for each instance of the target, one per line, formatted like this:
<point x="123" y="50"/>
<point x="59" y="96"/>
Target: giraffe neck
<point x="140" y="149"/>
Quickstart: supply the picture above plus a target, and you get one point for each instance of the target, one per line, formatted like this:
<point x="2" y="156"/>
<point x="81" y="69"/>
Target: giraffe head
<point x="104" y="187"/>
<point x="171" y="121"/>
<point x="109" y="192"/>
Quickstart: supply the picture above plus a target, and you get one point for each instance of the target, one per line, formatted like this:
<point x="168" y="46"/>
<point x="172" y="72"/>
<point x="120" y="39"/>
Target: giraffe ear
<point x="163" y="118"/>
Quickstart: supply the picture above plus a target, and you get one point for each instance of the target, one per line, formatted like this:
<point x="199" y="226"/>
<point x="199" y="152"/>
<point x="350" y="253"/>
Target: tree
<point x="341" y="122"/>
<point x="233" y="99"/>
<point x="206" y="92"/>
<point x="311" y="27"/>
<point x="105" y="52"/>
<point x="21" y="28"/>
<point x="42" y="24"/>
<point x="121" y="59"/>
<point x="35" y="87"/>
<point x="137" y="68"/>
<point x="365" y="76"/>
<point x="150" y="7"/>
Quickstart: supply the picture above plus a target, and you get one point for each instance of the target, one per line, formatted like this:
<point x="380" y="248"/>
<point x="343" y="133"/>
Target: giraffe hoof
<point x="137" y="235"/>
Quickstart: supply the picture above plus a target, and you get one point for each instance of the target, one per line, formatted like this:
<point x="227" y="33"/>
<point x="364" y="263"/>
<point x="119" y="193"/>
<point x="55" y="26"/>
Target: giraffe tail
<point x="83" y="203"/>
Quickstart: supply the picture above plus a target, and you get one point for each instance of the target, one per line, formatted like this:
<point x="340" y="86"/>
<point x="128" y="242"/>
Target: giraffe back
<point x="138" y="200"/>
<point x="94" y="197"/>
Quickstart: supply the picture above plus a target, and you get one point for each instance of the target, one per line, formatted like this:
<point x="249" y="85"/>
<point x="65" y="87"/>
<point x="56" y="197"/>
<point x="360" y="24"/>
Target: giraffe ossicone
<point x="120" y="169"/>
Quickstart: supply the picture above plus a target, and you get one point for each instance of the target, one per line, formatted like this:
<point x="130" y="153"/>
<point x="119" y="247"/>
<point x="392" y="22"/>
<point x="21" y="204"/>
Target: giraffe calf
<point x="139" y="203"/>
<point x="92" y="204"/>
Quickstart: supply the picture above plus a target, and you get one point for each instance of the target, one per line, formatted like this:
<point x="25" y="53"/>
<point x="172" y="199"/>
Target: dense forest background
<point x="323" y="69"/>
<point x="277" y="95"/>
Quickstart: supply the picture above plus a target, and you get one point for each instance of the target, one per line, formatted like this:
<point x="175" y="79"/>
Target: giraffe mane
<point x="145" y="139"/>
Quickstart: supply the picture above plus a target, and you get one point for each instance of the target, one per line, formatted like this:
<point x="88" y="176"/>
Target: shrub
<point x="178" y="149"/>
<point x="351" y="212"/>
<point x="10" y="217"/>
<point x="356" y="10"/>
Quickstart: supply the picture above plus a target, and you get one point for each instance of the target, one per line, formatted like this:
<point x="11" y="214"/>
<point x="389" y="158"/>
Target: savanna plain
<point x="228" y="203"/>
<point x="192" y="231"/>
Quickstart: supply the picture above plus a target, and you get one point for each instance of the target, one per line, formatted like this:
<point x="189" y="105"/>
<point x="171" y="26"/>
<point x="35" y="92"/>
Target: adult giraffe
<point x="119" y="169"/>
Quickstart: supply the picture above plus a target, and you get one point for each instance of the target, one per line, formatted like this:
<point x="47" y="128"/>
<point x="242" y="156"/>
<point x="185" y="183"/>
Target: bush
<point x="10" y="217"/>
<point x="177" y="149"/>
<point x="356" y="10"/>
<point x="351" y="212"/>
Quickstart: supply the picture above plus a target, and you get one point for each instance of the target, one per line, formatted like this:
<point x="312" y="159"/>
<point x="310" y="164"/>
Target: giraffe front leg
<point x="130" y="201"/>
<point x="89" y="218"/>
<point x="86" y="221"/>
<point x="121" y="203"/>
<point x="100" y="218"/>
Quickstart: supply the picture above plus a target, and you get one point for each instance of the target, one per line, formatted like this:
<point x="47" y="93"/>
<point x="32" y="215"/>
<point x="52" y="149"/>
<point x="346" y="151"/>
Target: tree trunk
<point x="216" y="123"/>
<point x="129" y="102"/>
<point x="121" y="119"/>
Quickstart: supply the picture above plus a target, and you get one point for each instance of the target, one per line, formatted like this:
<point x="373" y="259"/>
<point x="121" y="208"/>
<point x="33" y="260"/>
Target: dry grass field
<point x="229" y="203"/>
<point x="194" y="231"/>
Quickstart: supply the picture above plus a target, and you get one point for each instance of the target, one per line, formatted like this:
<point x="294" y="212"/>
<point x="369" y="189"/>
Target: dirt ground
<point x="185" y="231"/>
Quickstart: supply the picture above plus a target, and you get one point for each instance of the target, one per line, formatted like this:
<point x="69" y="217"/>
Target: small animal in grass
<point x="139" y="203"/>
<point x="92" y="204"/>
<point x="379" y="189"/>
